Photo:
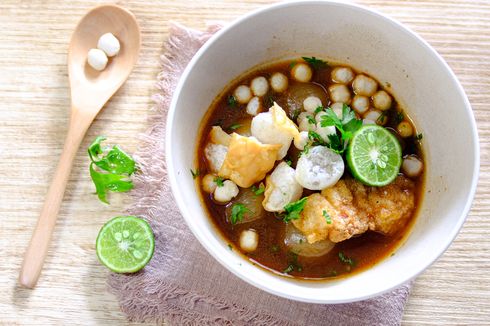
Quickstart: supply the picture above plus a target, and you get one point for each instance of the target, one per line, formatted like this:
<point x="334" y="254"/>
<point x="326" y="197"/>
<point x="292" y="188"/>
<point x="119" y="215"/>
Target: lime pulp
<point x="125" y="244"/>
<point x="374" y="156"/>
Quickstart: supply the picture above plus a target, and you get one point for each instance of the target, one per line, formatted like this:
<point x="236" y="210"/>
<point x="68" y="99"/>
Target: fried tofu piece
<point x="248" y="160"/>
<point x="390" y="207"/>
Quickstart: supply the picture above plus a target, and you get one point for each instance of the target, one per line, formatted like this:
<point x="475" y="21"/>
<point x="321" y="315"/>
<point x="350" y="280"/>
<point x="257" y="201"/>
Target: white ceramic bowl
<point x="367" y="40"/>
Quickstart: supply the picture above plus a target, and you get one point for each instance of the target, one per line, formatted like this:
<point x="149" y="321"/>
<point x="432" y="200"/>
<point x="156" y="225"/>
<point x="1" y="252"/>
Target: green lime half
<point x="125" y="244"/>
<point x="374" y="156"/>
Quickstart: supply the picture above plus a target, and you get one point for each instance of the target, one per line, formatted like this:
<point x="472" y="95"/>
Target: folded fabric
<point x="183" y="284"/>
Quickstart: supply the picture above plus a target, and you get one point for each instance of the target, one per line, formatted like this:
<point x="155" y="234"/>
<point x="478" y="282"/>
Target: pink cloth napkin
<point x="183" y="284"/>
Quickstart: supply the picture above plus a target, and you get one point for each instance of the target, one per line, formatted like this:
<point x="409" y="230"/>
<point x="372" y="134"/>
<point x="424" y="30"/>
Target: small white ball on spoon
<point x="109" y="44"/>
<point x="97" y="59"/>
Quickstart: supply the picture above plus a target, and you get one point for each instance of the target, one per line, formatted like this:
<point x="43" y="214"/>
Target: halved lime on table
<point x="374" y="156"/>
<point x="125" y="244"/>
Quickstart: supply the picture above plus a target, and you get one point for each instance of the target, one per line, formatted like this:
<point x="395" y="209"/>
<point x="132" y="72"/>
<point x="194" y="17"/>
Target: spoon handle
<point x="38" y="246"/>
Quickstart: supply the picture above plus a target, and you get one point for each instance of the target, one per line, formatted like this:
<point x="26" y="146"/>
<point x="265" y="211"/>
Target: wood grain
<point x="33" y="123"/>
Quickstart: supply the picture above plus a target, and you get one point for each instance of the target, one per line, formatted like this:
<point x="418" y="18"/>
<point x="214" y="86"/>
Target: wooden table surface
<point x="34" y="102"/>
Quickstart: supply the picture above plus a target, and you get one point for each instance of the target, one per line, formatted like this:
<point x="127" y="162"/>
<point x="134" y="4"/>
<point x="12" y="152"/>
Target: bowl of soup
<point x="321" y="151"/>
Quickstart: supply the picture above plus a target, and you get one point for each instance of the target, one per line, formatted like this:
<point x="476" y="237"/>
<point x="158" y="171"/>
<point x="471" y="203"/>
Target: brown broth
<point x="365" y="250"/>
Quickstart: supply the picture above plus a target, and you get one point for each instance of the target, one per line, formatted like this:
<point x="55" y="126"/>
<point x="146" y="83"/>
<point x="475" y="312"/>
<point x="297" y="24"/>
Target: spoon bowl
<point x="90" y="90"/>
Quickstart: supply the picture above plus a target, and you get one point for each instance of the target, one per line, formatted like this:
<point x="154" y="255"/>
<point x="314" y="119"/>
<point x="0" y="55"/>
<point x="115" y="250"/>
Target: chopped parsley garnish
<point x="293" y="263"/>
<point x="118" y="166"/>
<point x="230" y="247"/>
<point x="346" y="126"/>
<point x="382" y="117"/>
<point x="419" y="137"/>
<point x="258" y="190"/>
<point x="237" y="212"/>
<point x="346" y="260"/>
<point x="327" y="217"/>
<point x="195" y="174"/>
<point x="315" y="63"/>
<point x="270" y="100"/>
<point x="311" y="119"/>
<point x="295" y="114"/>
<point x="315" y="138"/>
<point x="219" y="181"/>
<point x="292" y="210"/>
<point x="275" y="248"/>
<point x="399" y="117"/>
<point x="292" y="64"/>
<point x="232" y="101"/>
<point x="235" y="126"/>
<point x="319" y="109"/>
<point x="289" y="162"/>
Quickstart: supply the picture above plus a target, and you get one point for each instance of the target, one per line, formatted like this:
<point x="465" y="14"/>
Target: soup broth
<point x="331" y="85"/>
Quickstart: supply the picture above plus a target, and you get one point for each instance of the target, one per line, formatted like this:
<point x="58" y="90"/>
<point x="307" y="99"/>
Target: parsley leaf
<point x="195" y="174"/>
<point x="237" y="212"/>
<point x="327" y="217"/>
<point x="347" y="126"/>
<point x="311" y="119"/>
<point x="319" y="109"/>
<point x="292" y="210"/>
<point x="382" y="118"/>
<point x="258" y="191"/>
<point x="315" y="63"/>
<point x="399" y="117"/>
<point x="289" y="162"/>
<point x="118" y="165"/>
<point x="292" y="64"/>
<point x="346" y="260"/>
<point x="232" y="101"/>
<point x="419" y="137"/>
<point x="218" y="181"/>
<point x="295" y="114"/>
<point x="292" y="263"/>
<point x="234" y="126"/>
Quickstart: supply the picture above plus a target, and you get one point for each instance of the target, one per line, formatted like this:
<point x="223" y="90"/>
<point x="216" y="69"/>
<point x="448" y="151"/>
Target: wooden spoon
<point x="90" y="90"/>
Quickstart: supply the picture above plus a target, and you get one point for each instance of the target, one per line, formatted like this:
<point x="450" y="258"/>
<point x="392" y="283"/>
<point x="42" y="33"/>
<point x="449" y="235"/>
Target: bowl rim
<point x="171" y="170"/>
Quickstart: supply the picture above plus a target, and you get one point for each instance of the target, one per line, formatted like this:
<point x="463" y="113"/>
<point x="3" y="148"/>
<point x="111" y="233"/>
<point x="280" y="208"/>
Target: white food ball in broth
<point x="254" y="106"/>
<point x="337" y="108"/>
<point x="243" y="94"/>
<point x="281" y="188"/>
<point x="376" y="116"/>
<point x="368" y="122"/>
<point x="300" y="140"/>
<point x="324" y="132"/>
<point x="259" y="86"/>
<point x="364" y="85"/>
<point x="382" y="100"/>
<point x="226" y="192"/>
<point x="298" y="244"/>
<point x="301" y="72"/>
<point x="109" y="44"/>
<point x="319" y="168"/>
<point x="405" y="129"/>
<point x="360" y="104"/>
<point x="279" y="82"/>
<point x="249" y="240"/>
<point x="342" y="75"/>
<point x="311" y="103"/>
<point x="208" y="183"/>
<point x="305" y="121"/>
<point x="339" y="93"/>
<point x="97" y="59"/>
<point x="412" y="167"/>
<point x="215" y="154"/>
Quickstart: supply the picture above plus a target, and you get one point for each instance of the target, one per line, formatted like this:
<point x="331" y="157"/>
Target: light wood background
<point x="34" y="102"/>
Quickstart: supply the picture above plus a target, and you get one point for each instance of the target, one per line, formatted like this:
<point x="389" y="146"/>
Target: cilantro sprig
<point x="238" y="211"/>
<point x="346" y="126"/>
<point x="315" y="63"/>
<point x="293" y="210"/>
<point x="118" y="167"/>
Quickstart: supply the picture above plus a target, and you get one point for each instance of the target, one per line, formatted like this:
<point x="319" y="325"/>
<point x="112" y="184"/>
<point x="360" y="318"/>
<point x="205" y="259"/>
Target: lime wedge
<point x="374" y="156"/>
<point x="125" y="244"/>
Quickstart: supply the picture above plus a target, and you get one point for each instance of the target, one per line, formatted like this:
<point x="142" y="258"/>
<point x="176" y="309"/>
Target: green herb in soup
<point x="311" y="170"/>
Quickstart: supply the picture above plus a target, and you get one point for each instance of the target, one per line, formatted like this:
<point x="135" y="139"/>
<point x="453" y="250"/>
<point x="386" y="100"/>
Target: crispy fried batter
<point x="353" y="208"/>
